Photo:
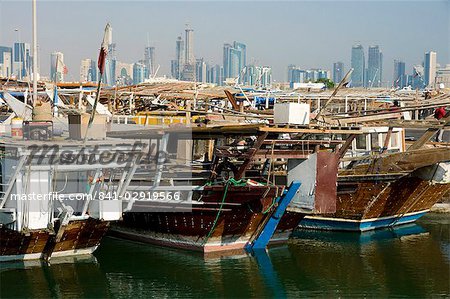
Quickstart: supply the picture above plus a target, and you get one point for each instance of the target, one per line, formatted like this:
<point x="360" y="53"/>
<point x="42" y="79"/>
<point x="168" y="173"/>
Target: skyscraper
<point x="338" y="71"/>
<point x="174" y="69"/>
<point x="399" y="79"/>
<point x="291" y="72"/>
<point x="179" y="58"/>
<point x="242" y="48"/>
<point x="226" y="59"/>
<point x="138" y="72"/>
<point x="258" y="76"/>
<point x="112" y="51"/>
<point x="375" y="67"/>
<point x="149" y="60"/>
<point x="5" y="61"/>
<point x="417" y="79"/>
<point x="200" y="70"/>
<point x="85" y="67"/>
<point x="188" y="72"/>
<point x="430" y="69"/>
<point x="189" y="57"/>
<point x="217" y="75"/>
<point x="109" y="76"/>
<point x="22" y="59"/>
<point x="88" y="70"/>
<point x="55" y="69"/>
<point x="266" y="77"/>
<point x="234" y="60"/>
<point x="358" y="65"/>
<point x="93" y="71"/>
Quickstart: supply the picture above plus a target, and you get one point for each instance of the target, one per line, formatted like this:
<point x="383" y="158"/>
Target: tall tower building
<point x="217" y="75"/>
<point x="55" y="69"/>
<point x="22" y="59"/>
<point x="430" y="69"/>
<point x="109" y="76"/>
<point x="291" y="72"/>
<point x="226" y="60"/>
<point x="242" y="48"/>
<point x="399" y="79"/>
<point x="375" y="67"/>
<point x="200" y="70"/>
<point x="234" y="60"/>
<point x="177" y="65"/>
<point x="5" y="61"/>
<point x="189" y="38"/>
<point x="338" y="71"/>
<point x="88" y="70"/>
<point x="85" y="67"/>
<point x="188" y="68"/>
<point x="112" y="51"/>
<point x="149" y="60"/>
<point x="358" y="65"/>
<point x="138" y="72"/>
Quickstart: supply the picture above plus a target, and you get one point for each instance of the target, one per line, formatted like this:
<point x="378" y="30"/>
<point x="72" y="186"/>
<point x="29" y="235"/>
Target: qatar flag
<point x="107" y="39"/>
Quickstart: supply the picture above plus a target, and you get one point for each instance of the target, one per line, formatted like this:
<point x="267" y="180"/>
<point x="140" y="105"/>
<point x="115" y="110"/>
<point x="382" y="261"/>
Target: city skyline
<point x="209" y="41"/>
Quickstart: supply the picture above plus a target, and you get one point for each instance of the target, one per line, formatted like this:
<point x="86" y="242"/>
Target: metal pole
<point x="34" y="54"/>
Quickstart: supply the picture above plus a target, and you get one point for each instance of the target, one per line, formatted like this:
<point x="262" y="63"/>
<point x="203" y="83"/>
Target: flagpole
<point x="94" y="108"/>
<point x="55" y="91"/>
<point x="101" y="67"/>
<point x="34" y="54"/>
<point x="97" y="97"/>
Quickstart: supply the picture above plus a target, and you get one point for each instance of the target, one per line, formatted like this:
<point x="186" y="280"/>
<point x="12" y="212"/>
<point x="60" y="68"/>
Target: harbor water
<point x="408" y="261"/>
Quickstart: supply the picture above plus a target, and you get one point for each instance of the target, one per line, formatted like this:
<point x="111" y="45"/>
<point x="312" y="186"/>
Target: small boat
<point x="383" y="190"/>
<point x="51" y="196"/>
<point x="222" y="202"/>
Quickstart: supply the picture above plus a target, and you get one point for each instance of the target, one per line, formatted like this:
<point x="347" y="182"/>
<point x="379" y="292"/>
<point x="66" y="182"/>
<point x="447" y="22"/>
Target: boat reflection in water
<point x="64" y="277"/>
<point x="405" y="261"/>
<point x="408" y="260"/>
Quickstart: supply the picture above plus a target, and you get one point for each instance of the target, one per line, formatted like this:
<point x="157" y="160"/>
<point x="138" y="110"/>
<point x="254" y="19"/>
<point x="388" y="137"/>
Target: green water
<point x="410" y="261"/>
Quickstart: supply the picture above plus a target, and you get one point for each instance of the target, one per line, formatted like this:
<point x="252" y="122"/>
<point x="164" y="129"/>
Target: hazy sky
<point x="306" y="33"/>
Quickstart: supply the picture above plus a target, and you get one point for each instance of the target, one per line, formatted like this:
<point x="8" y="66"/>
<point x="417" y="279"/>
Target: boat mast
<point x="34" y="54"/>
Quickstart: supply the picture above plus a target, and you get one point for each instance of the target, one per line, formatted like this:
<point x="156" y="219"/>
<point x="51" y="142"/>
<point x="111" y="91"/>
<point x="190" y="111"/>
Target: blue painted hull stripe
<point x="356" y="225"/>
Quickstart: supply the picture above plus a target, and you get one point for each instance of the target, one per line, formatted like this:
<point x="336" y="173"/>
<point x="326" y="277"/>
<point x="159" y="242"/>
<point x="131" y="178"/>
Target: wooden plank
<point x="252" y="153"/>
<point x="428" y="135"/>
<point x="386" y="140"/>
<point x="366" y="118"/>
<point x="305" y="142"/>
<point x="310" y="131"/>
<point x="346" y="146"/>
<point x="232" y="100"/>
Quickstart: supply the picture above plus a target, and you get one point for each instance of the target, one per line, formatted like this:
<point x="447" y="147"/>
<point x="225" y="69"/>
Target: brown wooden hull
<point x="387" y="198"/>
<point x="16" y="245"/>
<point x="78" y="237"/>
<point x="391" y="189"/>
<point x="238" y="220"/>
<point x="366" y="204"/>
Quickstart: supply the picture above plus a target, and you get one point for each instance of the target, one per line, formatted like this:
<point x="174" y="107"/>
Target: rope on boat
<point x="240" y="182"/>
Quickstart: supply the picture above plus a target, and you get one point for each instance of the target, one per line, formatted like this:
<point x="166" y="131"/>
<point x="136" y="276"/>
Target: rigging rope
<point x="234" y="182"/>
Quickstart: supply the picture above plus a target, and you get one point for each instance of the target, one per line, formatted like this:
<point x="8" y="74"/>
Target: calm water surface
<point x="409" y="261"/>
